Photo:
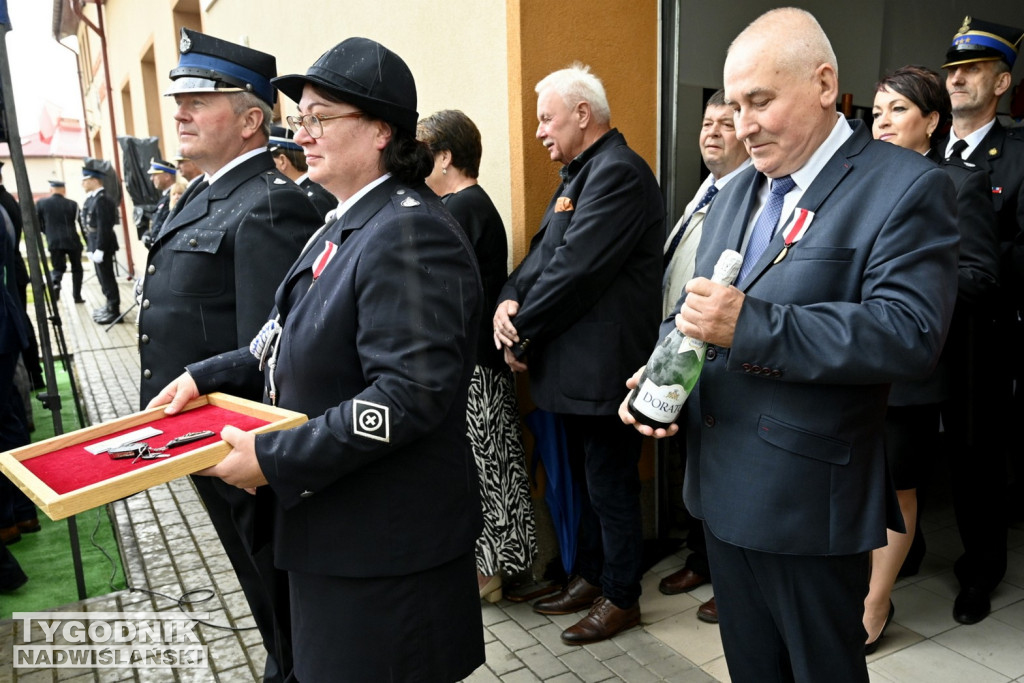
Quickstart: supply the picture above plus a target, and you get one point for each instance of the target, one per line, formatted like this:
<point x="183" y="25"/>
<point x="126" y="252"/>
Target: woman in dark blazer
<point x="910" y="104"/>
<point x="373" y="337"/>
<point x="508" y="543"/>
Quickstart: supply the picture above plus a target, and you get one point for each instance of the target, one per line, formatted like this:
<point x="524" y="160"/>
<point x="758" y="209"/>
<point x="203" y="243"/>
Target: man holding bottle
<point x="580" y="308"/>
<point x="848" y="284"/>
<point x="726" y="158"/>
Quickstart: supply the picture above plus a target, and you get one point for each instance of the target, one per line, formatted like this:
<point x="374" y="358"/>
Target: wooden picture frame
<point x="58" y="506"/>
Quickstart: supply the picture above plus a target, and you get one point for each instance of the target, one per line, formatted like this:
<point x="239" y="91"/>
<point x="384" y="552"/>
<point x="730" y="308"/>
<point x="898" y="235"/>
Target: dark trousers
<point x="791" y="618"/>
<point x="238" y="517"/>
<point x="977" y="461"/>
<point x="604" y="454"/>
<point x="108" y="283"/>
<point x="980" y="427"/>
<point x="59" y="259"/>
<point x="11" y="575"/>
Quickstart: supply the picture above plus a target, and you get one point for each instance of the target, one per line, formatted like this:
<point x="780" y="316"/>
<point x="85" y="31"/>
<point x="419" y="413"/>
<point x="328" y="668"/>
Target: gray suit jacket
<point x="785" y="429"/>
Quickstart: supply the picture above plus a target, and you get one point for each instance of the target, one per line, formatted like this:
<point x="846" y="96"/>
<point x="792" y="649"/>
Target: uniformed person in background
<point x="163" y="174"/>
<point x="187" y="169"/>
<point x="213" y="268"/>
<point x="58" y="221"/>
<point x="978" y="65"/>
<point x="291" y="160"/>
<point x="98" y="217"/>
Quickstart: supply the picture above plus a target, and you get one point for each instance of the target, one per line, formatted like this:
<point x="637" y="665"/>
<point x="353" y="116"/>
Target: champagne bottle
<point x="673" y="368"/>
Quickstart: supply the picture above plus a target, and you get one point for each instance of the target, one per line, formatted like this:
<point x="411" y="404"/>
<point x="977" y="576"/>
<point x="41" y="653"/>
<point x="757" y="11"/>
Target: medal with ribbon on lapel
<point x="330" y="249"/>
<point x="795" y="231"/>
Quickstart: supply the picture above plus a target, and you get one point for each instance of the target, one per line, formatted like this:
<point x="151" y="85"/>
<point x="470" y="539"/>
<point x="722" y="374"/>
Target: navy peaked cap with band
<point x="365" y="74"/>
<point x="161" y="166"/>
<point x="281" y="138"/>
<point x="984" y="41"/>
<point x="209" y="64"/>
<point x="56" y="183"/>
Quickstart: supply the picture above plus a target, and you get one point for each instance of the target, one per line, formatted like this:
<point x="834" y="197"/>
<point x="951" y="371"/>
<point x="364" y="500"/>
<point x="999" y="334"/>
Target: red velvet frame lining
<point x="73" y="467"/>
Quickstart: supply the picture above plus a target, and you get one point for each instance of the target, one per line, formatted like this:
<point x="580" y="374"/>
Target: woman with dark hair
<point x="910" y="105"/>
<point x="376" y="504"/>
<point x="507" y="544"/>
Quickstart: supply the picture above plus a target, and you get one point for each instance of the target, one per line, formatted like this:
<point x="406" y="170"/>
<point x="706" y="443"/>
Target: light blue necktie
<point x="764" y="228"/>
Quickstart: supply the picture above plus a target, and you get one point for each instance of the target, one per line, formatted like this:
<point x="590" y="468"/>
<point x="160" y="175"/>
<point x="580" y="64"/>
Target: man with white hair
<point x="848" y="283"/>
<point x="582" y="307"/>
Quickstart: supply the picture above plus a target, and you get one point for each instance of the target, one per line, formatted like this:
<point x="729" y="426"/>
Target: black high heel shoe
<point x="869" y="648"/>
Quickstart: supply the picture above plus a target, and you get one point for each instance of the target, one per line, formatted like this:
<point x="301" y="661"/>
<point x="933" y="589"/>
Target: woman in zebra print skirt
<point x="508" y="544"/>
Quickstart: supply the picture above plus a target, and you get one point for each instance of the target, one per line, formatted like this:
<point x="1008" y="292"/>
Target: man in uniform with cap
<point x="57" y="220"/>
<point x="187" y="168"/>
<point x="978" y="72"/>
<point x="98" y="217"/>
<point x="163" y="174"/>
<point x="213" y="269"/>
<point x="291" y="160"/>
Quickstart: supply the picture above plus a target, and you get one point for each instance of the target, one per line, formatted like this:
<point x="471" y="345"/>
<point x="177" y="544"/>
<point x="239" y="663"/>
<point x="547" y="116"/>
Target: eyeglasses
<point x="314" y="124"/>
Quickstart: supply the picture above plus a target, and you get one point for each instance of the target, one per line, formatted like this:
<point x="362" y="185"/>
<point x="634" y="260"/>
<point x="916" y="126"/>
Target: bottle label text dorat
<point x="660" y="403"/>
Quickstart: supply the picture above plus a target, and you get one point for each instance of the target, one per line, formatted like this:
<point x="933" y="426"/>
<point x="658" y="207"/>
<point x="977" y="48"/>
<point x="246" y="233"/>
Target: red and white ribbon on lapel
<point x="795" y="231"/>
<point x="801" y="222"/>
<point x="330" y="249"/>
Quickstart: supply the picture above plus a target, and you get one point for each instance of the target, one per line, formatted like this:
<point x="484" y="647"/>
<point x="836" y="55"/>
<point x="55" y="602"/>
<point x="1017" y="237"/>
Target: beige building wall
<point x="455" y="49"/>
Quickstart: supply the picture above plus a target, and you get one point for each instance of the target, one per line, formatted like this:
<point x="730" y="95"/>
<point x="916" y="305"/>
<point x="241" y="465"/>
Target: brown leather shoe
<point x="683" y="581"/>
<point x="577" y="595"/>
<point x="604" y="621"/>
<point x="708" y="612"/>
<point x="10" y="534"/>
